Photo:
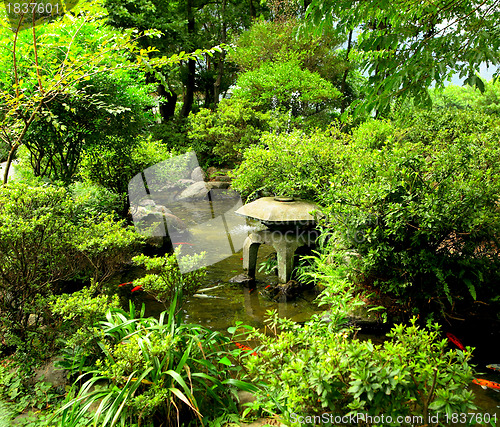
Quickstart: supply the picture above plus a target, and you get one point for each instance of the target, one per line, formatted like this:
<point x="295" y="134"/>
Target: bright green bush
<point x="469" y="98"/>
<point x="43" y="242"/>
<point x="376" y="134"/>
<point x="422" y="211"/>
<point x="164" y="280"/>
<point x="285" y="86"/>
<point x="227" y="131"/>
<point x="295" y="164"/>
<point x="315" y="369"/>
<point x="114" y="162"/>
<point x="276" y="42"/>
<point x="92" y="199"/>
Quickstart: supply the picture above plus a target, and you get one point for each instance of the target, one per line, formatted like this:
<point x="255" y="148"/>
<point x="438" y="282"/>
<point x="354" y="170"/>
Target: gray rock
<point x="147" y="202"/>
<point x="51" y="374"/>
<point x="186" y="182"/>
<point x="218" y="184"/>
<point x="245" y="397"/>
<point x="198" y="174"/>
<point x="211" y="171"/>
<point x="176" y="222"/>
<point x="163" y="209"/>
<point x="196" y="191"/>
<point x="242" y="279"/>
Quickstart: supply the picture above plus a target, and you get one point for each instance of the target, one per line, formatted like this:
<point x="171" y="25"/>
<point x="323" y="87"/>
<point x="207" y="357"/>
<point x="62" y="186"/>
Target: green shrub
<point x="42" y="243"/>
<point x="93" y="200"/>
<point x="469" y="98"/>
<point x="116" y="161"/>
<point x="164" y="279"/>
<point x="422" y="211"/>
<point x="295" y="164"/>
<point x="227" y="131"/>
<point x="315" y="369"/>
<point x="286" y="87"/>
<point x="375" y="134"/>
<point x="153" y="370"/>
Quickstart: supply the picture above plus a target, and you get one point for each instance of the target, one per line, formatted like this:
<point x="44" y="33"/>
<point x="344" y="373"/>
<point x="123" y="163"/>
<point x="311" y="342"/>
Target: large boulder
<point x="199" y="190"/>
<point x="198" y="174"/>
<point x="196" y="191"/>
<point x="158" y="224"/>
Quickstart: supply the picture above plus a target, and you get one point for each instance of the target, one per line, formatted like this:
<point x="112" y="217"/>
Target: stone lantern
<point x="290" y="225"/>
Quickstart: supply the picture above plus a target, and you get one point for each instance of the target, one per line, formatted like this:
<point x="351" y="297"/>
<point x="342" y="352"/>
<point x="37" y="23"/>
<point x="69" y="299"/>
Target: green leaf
<point x="225" y="361"/>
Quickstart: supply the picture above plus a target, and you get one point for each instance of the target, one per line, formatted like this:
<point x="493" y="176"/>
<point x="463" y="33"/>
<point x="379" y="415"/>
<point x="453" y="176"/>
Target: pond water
<point x="220" y="307"/>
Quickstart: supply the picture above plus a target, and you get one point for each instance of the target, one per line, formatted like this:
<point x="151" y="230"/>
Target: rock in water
<point x="286" y="291"/>
<point x="243" y="279"/>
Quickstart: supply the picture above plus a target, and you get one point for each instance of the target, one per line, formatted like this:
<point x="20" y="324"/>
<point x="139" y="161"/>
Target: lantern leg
<point x="250" y="250"/>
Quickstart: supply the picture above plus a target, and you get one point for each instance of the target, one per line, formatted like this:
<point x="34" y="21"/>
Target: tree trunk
<point x="253" y="13"/>
<point x="189" y="94"/>
<point x="346" y="72"/>
<point x="167" y="109"/>
<point x="220" y="64"/>
<point x="8" y="164"/>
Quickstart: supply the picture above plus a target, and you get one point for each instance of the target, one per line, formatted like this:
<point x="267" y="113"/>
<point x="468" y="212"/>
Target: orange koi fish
<point x="124" y="284"/>
<point x="486" y="384"/>
<point x="244" y="348"/>
<point x="137" y="288"/>
<point x="183" y="243"/>
<point x="455" y="340"/>
<point x="494" y="366"/>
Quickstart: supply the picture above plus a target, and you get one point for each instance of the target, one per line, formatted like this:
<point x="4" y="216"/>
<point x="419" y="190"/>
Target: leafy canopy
<point x="407" y="46"/>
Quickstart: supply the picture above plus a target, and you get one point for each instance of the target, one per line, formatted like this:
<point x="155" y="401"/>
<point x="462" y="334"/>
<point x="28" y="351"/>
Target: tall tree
<point x="186" y="25"/>
<point x="49" y="63"/>
<point x="406" y="46"/>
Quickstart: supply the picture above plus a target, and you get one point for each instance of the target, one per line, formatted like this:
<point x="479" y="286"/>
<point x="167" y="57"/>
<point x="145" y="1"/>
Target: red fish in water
<point x="455" y="340"/>
<point x="137" y="288"/>
<point x="183" y="243"/>
<point x="494" y="366"/>
<point x="244" y="348"/>
<point x="124" y="284"/>
<point x="486" y="384"/>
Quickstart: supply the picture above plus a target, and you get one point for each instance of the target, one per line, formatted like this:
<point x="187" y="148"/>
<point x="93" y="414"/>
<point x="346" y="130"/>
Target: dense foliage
<point x="416" y="199"/>
<point x="312" y="369"/>
<point x="108" y="110"/>
<point x="96" y="96"/>
<point x="295" y="164"/>
<point x="405" y="53"/>
<point x="44" y="242"/>
<point x="150" y="370"/>
<point x="319" y="367"/>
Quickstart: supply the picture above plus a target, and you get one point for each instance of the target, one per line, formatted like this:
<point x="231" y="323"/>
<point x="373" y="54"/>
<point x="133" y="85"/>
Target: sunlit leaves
<point x="406" y="46"/>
